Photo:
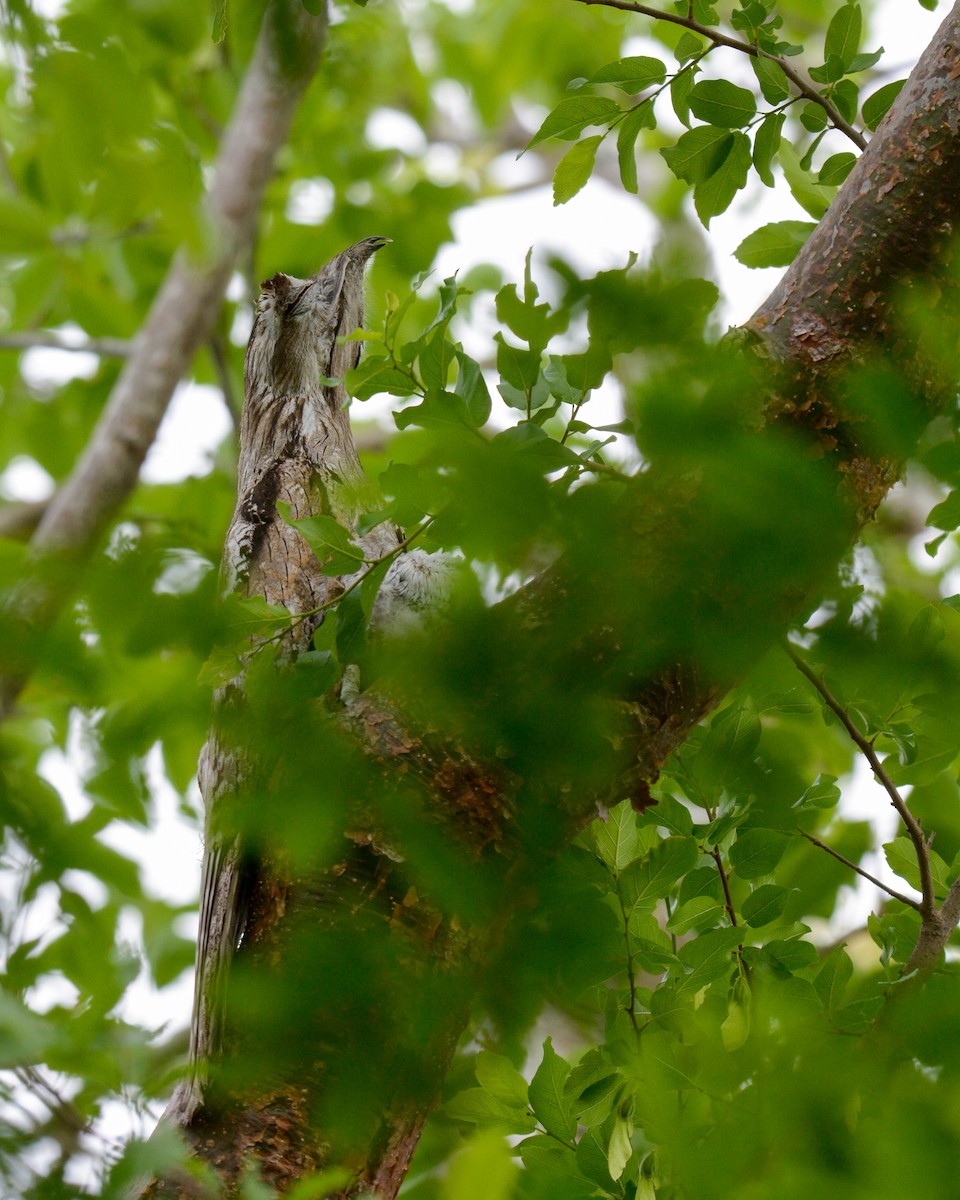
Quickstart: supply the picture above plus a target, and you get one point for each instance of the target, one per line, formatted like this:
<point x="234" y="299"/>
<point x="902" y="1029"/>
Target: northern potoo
<point x="296" y="447"/>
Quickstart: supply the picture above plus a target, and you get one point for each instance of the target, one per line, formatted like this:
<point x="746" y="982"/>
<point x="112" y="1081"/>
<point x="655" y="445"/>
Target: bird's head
<point x="294" y="341"/>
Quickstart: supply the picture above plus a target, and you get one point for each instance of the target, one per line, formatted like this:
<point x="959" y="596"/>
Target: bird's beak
<point x="368" y="246"/>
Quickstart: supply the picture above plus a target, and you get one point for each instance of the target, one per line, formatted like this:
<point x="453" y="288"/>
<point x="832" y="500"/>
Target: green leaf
<point x="536" y="444"/>
<point x="773" y="245"/>
<point x="671" y="814"/>
<point x="756" y="852"/>
<point x="705" y="12"/>
<point x="641" y="117"/>
<point x="652" y="878"/>
<point x="533" y="323"/>
<point x="902" y="860"/>
<point x="220" y="17"/>
<point x="766" y="144"/>
<point x="698" y="153"/>
<point x="23" y="1035"/>
<point x="735" y="733"/>
<point x="793" y="954"/>
<point x="689" y="46"/>
<point x="714" y="195"/>
<point x="721" y="103"/>
<point x="617" y="838"/>
<point x="574" y="169"/>
<point x="863" y="62"/>
<point x="843" y="33"/>
<point x="595" y="1102"/>
<point x="837" y="168"/>
<point x="832" y="978"/>
<point x="520" y="368"/>
<point x="377" y="374"/>
<point x="773" y="82"/>
<point x="833" y="69"/>
<point x="434" y="358"/>
<point x="483" y="1170"/>
<point x="438" y="410"/>
<point x="926" y="630"/>
<point x="946" y="514"/>
<point x="331" y="543"/>
<point x="877" y="105"/>
<point x="472" y="389"/>
<point x="547" y="1097"/>
<point x="822" y="793"/>
<point x="813" y="116"/>
<point x="813" y="197"/>
<point x="700" y="913"/>
<point x="23" y="225"/>
<point x="764" y="904"/>
<point x="555" y="373"/>
<point x="573" y="115"/>
<point x="632" y="74"/>
<point x="846" y="99"/>
<point x="619" y="1148"/>
<point x="708" y="957"/>
<point x="497" y="1075"/>
<point x="480" y="1107"/>
<point x="681" y="86"/>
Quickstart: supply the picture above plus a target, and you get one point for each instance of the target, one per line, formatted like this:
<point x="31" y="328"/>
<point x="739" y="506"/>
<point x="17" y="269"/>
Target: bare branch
<point x="19" y="519"/>
<point x="904" y="899"/>
<point x="914" y="829"/>
<point x="803" y="85"/>
<point x="727" y="898"/>
<point x="47" y="339"/>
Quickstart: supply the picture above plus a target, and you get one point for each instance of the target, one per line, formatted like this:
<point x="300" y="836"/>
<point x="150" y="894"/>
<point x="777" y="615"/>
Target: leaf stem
<point x="371" y="565"/>
<point x="631" y="964"/>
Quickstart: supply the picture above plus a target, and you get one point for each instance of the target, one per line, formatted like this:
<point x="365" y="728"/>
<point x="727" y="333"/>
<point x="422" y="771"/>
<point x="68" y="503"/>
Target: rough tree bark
<point x="183" y="313"/>
<point x="889" y="234"/>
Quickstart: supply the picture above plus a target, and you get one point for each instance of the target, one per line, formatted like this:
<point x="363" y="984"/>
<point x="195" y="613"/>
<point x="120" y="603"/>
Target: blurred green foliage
<point x="724" y="1030"/>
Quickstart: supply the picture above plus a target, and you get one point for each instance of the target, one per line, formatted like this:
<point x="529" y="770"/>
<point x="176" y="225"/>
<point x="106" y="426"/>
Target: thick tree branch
<point x="803" y="85"/>
<point x="182" y="315"/>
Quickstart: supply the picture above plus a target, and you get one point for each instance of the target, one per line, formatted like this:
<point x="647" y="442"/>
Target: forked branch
<point x="804" y="86"/>
<point x="936" y="923"/>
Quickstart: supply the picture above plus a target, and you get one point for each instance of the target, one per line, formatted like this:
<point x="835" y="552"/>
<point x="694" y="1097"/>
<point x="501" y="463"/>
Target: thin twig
<point x="800" y="82"/>
<point x="727" y="898"/>
<point x="860" y="871"/>
<point x="631" y="964"/>
<point x="106" y="347"/>
<point x="914" y="829"/>
<point x="294" y="619"/>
